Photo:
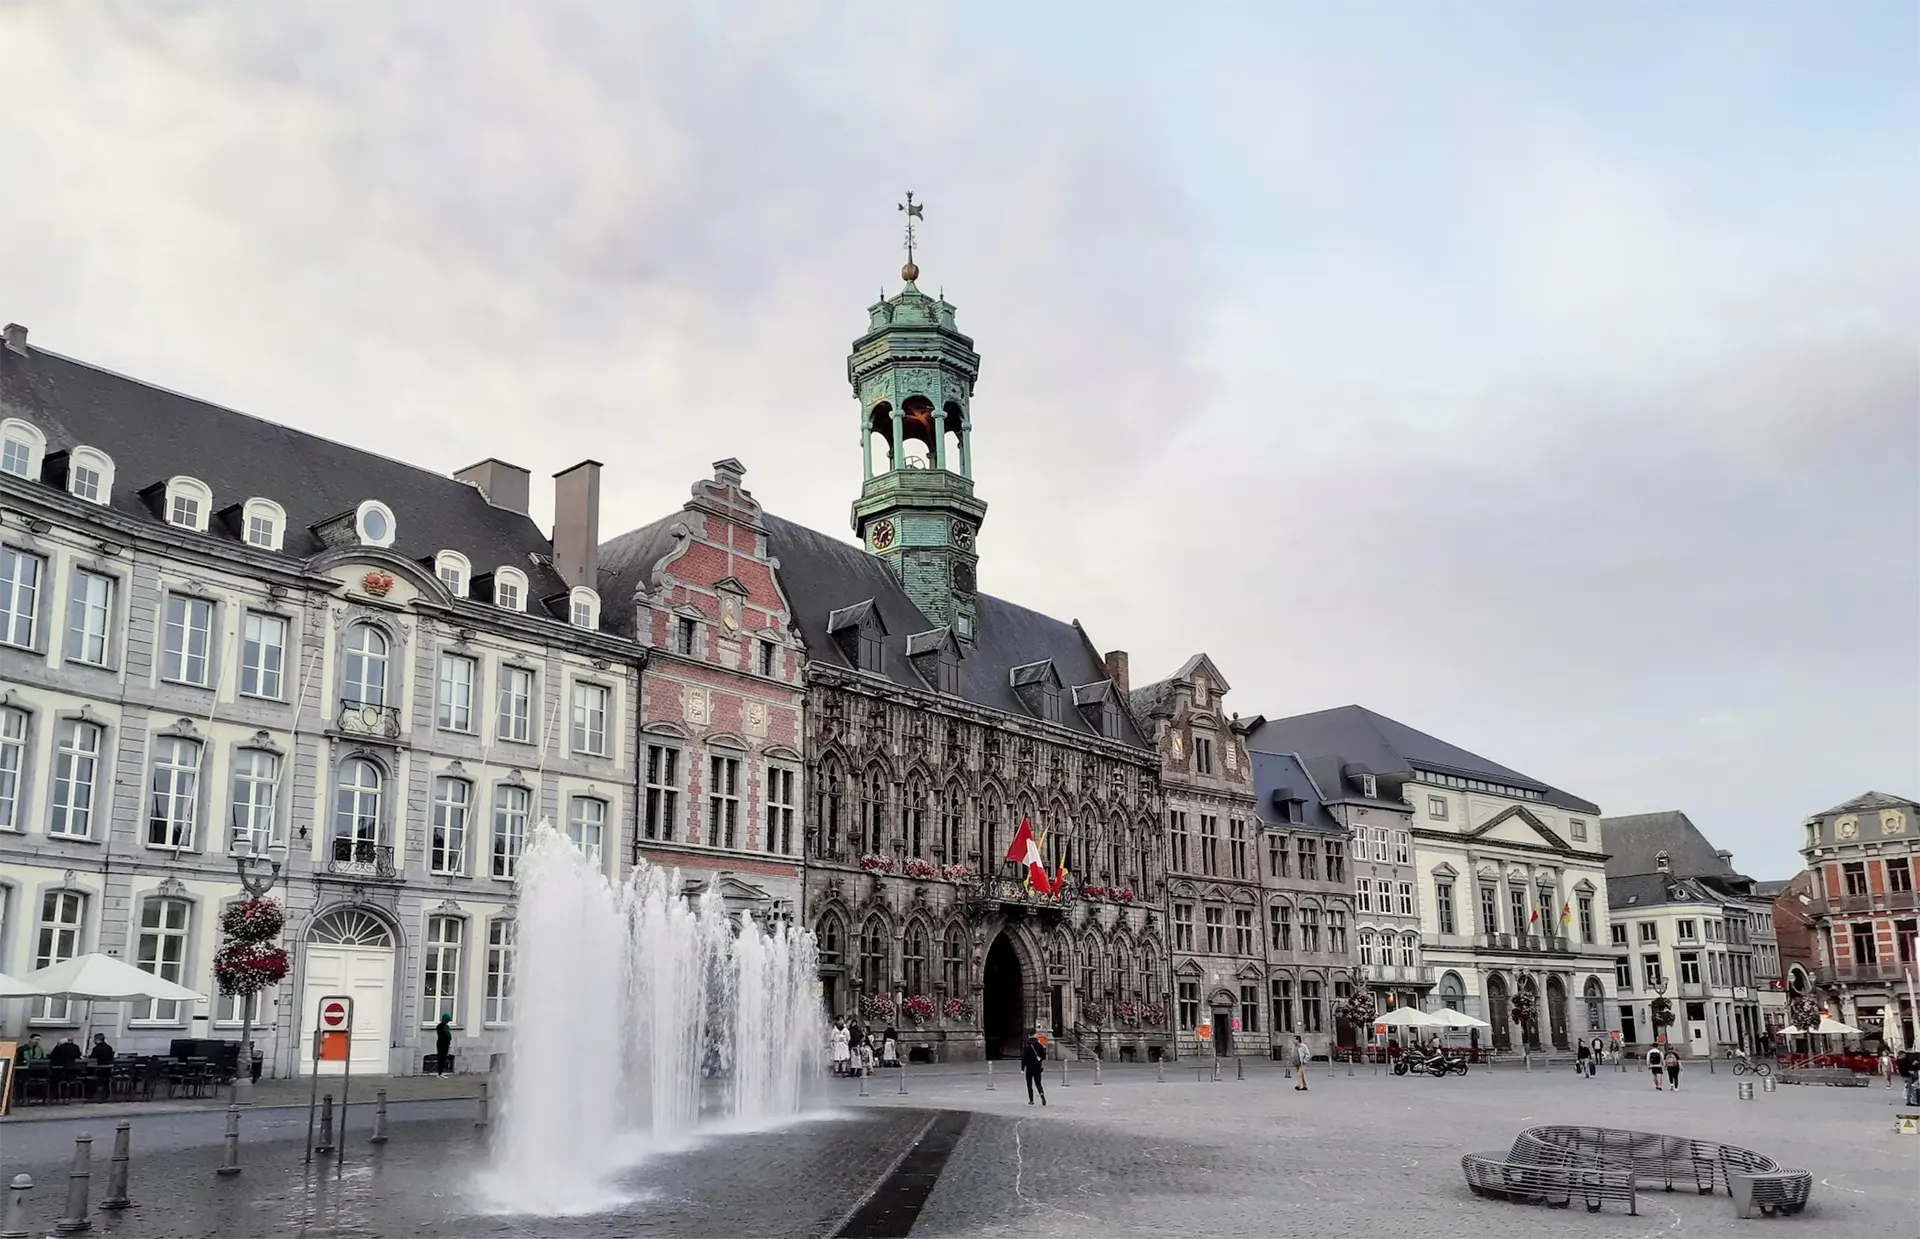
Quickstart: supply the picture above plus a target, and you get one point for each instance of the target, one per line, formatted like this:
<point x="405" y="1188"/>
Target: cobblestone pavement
<point x="1364" y="1155"/>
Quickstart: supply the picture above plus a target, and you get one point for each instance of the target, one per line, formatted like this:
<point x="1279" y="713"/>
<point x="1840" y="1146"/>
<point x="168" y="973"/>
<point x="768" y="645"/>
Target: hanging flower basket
<point x="1358" y="1008"/>
<point x="244" y="968"/>
<point x="919" y="1008"/>
<point x="1154" y="1014"/>
<point x="965" y="875"/>
<point x="1094" y="892"/>
<point x="1094" y="1013"/>
<point x="917" y="868"/>
<point x="1130" y="1014"/>
<point x="1803" y="1011"/>
<point x="1661" y="1012"/>
<point x="1524" y="1008"/>
<point x="1120" y="894"/>
<point x="253" y="920"/>
<point x="876" y="864"/>
<point x="958" y="1008"/>
<point x="877" y="1006"/>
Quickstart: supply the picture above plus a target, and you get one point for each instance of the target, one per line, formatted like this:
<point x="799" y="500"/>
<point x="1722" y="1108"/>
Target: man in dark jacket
<point x="1033" y="1062"/>
<point x="443" y="1044"/>
<point x="1909" y="1067"/>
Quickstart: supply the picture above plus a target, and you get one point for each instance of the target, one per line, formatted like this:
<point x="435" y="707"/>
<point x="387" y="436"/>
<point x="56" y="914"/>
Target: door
<point x="1697" y="1030"/>
<point x="364" y="974"/>
<point x="1223" y="1034"/>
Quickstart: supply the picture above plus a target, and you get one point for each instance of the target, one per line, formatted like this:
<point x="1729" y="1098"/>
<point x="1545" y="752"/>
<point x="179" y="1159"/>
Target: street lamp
<point x="256" y="884"/>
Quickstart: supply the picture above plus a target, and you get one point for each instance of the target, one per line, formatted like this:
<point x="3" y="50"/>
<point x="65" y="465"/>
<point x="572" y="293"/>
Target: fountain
<point x="644" y="1017"/>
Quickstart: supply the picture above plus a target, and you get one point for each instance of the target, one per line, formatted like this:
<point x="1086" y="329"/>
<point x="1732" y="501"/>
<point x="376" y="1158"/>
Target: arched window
<point x="1366" y="948"/>
<point x="832" y="809"/>
<point x="953" y="824"/>
<point x="991" y="811"/>
<point x="915" y="960"/>
<point x="175" y="806"/>
<point x="913" y="815"/>
<point x="1089" y="971"/>
<point x="954" y="962"/>
<point x="366" y="665"/>
<point x="453" y="570"/>
<point x="873" y="957"/>
<point x="510" y="589"/>
<point x="263" y="524"/>
<point x="452" y="815"/>
<point x="1453" y="994"/>
<point x="873" y="813"/>
<point x="163" y="952"/>
<point x="440" y="970"/>
<point x="583" y="608"/>
<point x="1122" y="972"/>
<point x="356" y="808"/>
<point x="188" y="500"/>
<point x="22" y="447"/>
<point x="90" y="475"/>
<point x="826" y="938"/>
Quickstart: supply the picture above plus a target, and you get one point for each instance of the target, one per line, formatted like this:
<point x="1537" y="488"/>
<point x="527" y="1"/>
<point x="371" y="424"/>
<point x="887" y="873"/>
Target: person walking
<point x="1299" y="1065"/>
<point x="840" y="1055"/>
<point x="1886" y="1065"/>
<point x="1654" y="1063"/>
<point x="1583" y="1060"/>
<point x="1033" y="1063"/>
<point x="1673" y="1070"/>
<point x="1599" y="1056"/>
<point x="1909" y="1064"/>
<point x="443" y="1044"/>
<point x="890" y="1047"/>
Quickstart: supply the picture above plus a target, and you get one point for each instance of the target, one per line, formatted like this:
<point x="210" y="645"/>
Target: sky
<point x="1546" y="377"/>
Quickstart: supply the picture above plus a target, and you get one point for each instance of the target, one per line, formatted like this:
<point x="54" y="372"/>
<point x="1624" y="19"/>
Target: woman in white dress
<point x="840" y="1054"/>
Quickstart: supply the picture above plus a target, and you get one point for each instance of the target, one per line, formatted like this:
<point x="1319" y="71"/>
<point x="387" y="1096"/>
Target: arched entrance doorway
<point x="1596" y="997"/>
<point x="350" y="951"/>
<point x="1003" y="1017"/>
<point x="1557" y="1012"/>
<point x="1498" y="1013"/>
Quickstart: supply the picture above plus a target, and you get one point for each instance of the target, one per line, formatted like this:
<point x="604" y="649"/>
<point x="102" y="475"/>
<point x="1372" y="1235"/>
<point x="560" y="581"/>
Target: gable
<point x="1516" y="824"/>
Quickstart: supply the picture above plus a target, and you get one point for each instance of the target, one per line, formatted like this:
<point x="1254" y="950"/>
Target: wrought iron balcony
<point x="1529" y="944"/>
<point x="361" y="858"/>
<point x="367" y="721"/>
<point x="1406" y="974"/>
<point x="1012" y="894"/>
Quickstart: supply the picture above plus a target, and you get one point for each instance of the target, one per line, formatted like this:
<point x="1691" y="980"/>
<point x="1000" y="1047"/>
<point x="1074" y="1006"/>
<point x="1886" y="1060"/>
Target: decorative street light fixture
<point x="256" y="884"/>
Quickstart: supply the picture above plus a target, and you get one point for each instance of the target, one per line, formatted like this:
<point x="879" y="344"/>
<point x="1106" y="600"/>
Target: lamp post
<point x="256" y="884"/>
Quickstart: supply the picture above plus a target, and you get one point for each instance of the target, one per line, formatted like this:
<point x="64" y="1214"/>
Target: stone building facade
<point x="1309" y="903"/>
<point x="1863" y="911"/>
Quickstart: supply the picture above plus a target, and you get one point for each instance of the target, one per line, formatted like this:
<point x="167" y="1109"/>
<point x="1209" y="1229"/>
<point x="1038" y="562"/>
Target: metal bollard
<point x="1746" y="1090"/>
<point x="379" y="1118"/>
<point x="1096" y="1073"/>
<point x="903" y="1077"/>
<point x="989" y="1075"/>
<point x="863" y="1084"/>
<point x="1063" y="1071"/>
<point x="1160" y="1071"/>
<point x="230" y="1157"/>
<point x="1239" y="1068"/>
<point x="1710" y="1070"/>
<point x="1526" y="1056"/>
<point x="1767" y="1084"/>
<point x="116" y="1197"/>
<point x="486" y="1087"/>
<point x="16" y="1225"/>
<point x="326" y="1124"/>
<point x="1349" y="1065"/>
<point x="1216" y="1069"/>
<point x="79" y="1180"/>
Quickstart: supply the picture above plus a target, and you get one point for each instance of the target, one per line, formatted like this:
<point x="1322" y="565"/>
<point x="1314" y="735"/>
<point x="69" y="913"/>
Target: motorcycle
<point x="1437" y="1065"/>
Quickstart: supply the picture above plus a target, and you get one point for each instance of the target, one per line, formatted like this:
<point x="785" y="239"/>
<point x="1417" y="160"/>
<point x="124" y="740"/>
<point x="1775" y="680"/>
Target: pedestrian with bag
<point x="1583" y="1060"/>
<point x="1299" y="1065"/>
<point x="1673" y="1070"/>
<point x="1654" y="1063"/>
<point x="1033" y="1064"/>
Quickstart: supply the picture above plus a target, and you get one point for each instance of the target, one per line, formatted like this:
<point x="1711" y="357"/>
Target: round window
<point x="375" y="524"/>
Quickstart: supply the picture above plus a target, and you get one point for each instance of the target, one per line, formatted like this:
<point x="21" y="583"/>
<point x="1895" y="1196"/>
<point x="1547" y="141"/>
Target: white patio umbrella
<point x="10" y="988"/>
<point x="1407" y="1017"/>
<point x="102" y="978"/>
<point x="1832" y="1027"/>
<point x="1457" y="1019"/>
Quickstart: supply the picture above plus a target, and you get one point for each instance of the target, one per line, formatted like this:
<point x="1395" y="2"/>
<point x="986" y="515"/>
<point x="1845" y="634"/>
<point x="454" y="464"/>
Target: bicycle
<point x="1743" y="1064"/>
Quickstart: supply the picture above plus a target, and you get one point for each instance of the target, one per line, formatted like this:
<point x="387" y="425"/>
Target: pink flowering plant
<point x="873" y="863"/>
<point x="877" y="1006"/>
<point x="963" y="874"/>
<point x="1130" y="1014"/>
<point x="919" y="1008"/>
<point x="958" y="1008"/>
<point x="1153" y="1013"/>
<point x="917" y="868"/>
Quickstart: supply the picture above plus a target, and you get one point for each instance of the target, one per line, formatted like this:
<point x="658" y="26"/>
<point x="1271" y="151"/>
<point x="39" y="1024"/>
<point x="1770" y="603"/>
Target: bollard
<point x="989" y="1075"/>
<point x="1216" y="1069"/>
<point x="1766" y="1084"/>
<point x="1096" y="1072"/>
<point x="79" y="1180"/>
<point x="903" y="1077"/>
<point x="1746" y="1090"/>
<point x="1526" y="1057"/>
<point x="1160" y="1070"/>
<point x="230" y="1157"/>
<point x="1063" y="1071"/>
<point x="1349" y="1057"/>
<point x="1710" y="1070"/>
<point x="326" y="1124"/>
<point x="116" y="1197"/>
<point x="17" y="1209"/>
<point x="485" y="1087"/>
<point x="1239" y="1067"/>
<point x="863" y="1084"/>
<point x="379" y="1118"/>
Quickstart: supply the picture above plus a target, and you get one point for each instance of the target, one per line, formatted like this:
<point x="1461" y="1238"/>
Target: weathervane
<point x="914" y="211"/>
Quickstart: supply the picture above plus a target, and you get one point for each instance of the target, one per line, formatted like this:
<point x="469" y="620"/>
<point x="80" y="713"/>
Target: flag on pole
<point x="1566" y="914"/>
<point x="1026" y="852"/>
<point x="1060" y="878"/>
<point x="1534" y="917"/>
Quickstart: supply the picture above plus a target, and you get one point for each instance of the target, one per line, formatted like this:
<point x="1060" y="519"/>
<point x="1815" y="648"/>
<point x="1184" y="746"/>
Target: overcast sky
<point x="1546" y="377"/>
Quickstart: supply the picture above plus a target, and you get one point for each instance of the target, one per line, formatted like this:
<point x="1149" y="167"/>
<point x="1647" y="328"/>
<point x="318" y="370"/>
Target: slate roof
<point x="1355" y="734"/>
<point x="153" y="434"/>
<point x="1869" y="800"/>
<point x="1635" y="841"/>
<point x="1151" y="697"/>
<point x="1285" y="772"/>
<point x="626" y="564"/>
<point x="1772" y="887"/>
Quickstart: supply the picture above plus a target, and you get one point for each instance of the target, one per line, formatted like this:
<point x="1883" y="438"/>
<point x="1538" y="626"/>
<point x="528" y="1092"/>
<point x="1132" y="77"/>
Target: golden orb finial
<point x="909" y="273"/>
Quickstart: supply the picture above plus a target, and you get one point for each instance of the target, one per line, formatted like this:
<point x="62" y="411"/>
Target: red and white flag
<point x="1025" y="851"/>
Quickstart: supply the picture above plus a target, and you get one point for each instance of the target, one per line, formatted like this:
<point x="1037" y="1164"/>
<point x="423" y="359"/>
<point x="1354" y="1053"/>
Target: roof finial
<point x="914" y="211"/>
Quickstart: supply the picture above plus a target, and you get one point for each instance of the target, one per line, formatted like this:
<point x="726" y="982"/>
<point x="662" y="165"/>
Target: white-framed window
<point x="440" y="971"/>
<point x="590" y="719"/>
<point x="1363" y="894"/>
<point x="583" y="608"/>
<point x="1366" y="947"/>
<point x="1579" y="829"/>
<point x="22" y="447"/>
<point x="502" y="939"/>
<point x="188" y="500"/>
<point x="90" y="618"/>
<point x="452" y="812"/>
<point x="76" y="771"/>
<point x="1437" y="808"/>
<point x="510" y="589"/>
<point x="373" y="523"/>
<point x="663" y="792"/>
<point x="21" y="573"/>
<point x="63" y="917"/>
<point x="1406" y="899"/>
<point x="90" y="475"/>
<point x="1402" y="847"/>
<point x="228" y="1009"/>
<point x="366" y="661"/>
<point x="163" y="952"/>
<point x="587" y="825"/>
<point x="1409" y="950"/>
<point x="453" y="570"/>
<point x="356" y="802"/>
<point x="454" y="711"/>
<point x="256" y="777"/>
<point x="511" y="804"/>
<point x="516" y="704"/>
<point x="263" y="523"/>
<point x="1379" y="843"/>
<point x="187" y="641"/>
<point x="782" y="803"/>
<point x="723" y="801"/>
<point x="174" y="807"/>
<point x="263" y="655"/>
<point x="13" y="765"/>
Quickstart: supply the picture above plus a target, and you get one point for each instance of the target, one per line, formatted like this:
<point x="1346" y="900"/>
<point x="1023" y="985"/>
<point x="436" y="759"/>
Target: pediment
<point x="730" y="585"/>
<point x="1187" y="968"/>
<point x="1445" y="870"/>
<point x="1517" y="824"/>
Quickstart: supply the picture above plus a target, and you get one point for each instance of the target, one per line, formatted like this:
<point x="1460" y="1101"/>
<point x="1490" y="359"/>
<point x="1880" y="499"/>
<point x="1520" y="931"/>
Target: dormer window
<point x="510" y="589"/>
<point x="187" y="503"/>
<point x="1037" y="685"/>
<point x="22" y="448"/>
<point x="1370" y="786"/>
<point x="1099" y="707"/>
<point x="90" y="475"/>
<point x="583" y="608"/>
<point x="453" y="570"/>
<point x="263" y="524"/>
<point x="373" y="522"/>
<point x="860" y="634"/>
<point x="936" y="657"/>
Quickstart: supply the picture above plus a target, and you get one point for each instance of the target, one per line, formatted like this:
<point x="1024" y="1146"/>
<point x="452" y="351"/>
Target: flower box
<point x="917" y="868"/>
<point x="1129" y="1014"/>
<point x="877" y="1006"/>
<point x="965" y="875"/>
<point x="871" y="863"/>
<point x="957" y="1008"/>
<point x="919" y="1008"/>
<point x="1153" y="1013"/>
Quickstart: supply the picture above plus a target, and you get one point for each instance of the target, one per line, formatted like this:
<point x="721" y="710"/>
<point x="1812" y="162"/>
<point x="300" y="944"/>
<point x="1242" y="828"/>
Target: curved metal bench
<point x="1554" y="1165"/>
<point x="1556" y="1186"/>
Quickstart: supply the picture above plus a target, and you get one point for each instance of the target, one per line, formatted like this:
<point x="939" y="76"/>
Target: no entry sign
<point x="333" y="1015"/>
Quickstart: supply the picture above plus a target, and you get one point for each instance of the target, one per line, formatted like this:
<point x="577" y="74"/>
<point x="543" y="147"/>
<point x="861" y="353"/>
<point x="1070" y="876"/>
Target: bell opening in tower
<point x="917" y="432"/>
<point x="953" y="440"/>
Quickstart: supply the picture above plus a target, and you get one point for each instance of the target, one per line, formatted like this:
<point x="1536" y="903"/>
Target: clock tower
<point x="913" y="374"/>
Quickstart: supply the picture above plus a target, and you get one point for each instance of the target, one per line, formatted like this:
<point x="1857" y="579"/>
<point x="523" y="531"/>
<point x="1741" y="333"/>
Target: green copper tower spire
<point x="913" y="374"/>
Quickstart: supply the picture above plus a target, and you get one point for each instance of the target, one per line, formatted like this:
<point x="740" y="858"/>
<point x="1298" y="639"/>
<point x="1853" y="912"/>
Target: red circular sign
<point x="333" y="1014"/>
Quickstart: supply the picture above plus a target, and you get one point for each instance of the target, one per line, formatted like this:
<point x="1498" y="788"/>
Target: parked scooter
<point x="1438" y="1064"/>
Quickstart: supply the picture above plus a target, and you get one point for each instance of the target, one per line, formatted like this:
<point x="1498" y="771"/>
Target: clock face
<point x="963" y="579"/>
<point x="962" y="536"/>
<point x="883" y="533"/>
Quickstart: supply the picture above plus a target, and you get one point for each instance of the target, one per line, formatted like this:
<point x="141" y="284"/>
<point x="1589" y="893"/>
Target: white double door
<point x="364" y="974"/>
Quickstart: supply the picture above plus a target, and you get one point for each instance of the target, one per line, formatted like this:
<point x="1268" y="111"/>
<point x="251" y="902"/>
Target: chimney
<point x="1117" y="669"/>
<point x="15" y="337"/>
<point x="576" y="524"/>
<point x="503" y="485"/>
<point x="729" y="472"/>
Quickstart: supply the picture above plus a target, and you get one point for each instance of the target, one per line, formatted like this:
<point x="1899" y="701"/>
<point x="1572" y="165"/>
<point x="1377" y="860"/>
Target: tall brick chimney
<point x="1117" y="669"/>
<point x="14" y="336"/>
<point x="576" y="524"/>
<point x="504" y="485"/>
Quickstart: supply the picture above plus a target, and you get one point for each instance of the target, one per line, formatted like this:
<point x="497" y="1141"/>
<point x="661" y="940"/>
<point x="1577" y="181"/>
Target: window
<point x="1249" y="1008"/>
<point x="356" y="803"/>
<point x="1517" y="904"/>
<point x="1649" y="932"/>
<point x="587" y="825"/>
<point x="502" y="935"/>
<point x="1684" y="930"/>
<point x="766" y="658"/>
<point x="590" y="719"/>
<point x="873" y="957"/>
<point x="163" y="952"/>
<point x="440" y="971"/>
<point x="62" y="914"/>
<point x="1865" y="949"/>
<point x="663" y="792"/>
<point x="1443" y="905"/>
<point x="1278" y="857"/>
<point x="21" y="448"/>
<point x="1618" y="934"/>
<point x="1280" y="927"/>
<point x="1209" y="844"/>
<point x="1855" y="873"/>
<point x="1216" y="930"/>
<point x="1243" y="931"/>
<point x="510" y="589"/>
<point x="1409" y="949"/>
<point x="1237" y="847"/>
<point x="913" y="961"/>
<point x="1282" y="1005"/>
<point x="1310" y="1013"/>
<point x="250" y="816"/>
<point x="953" y="967"/>
<point x="1650" y="969"/>
<point x="1584" y="907"/>
<point x="263" y="655"/>
<point x="1189" y="1004"/>
<point x="1366" y="948"/>
<point x="187" y="503"/>
<point x="176" y="793"/>
<point x="189" y="636"/>
<point x="20" y="575"/>
<point x="723" y="802"/>
<point x="453" y="570"/>
<point x="1202" y="755"/>
<point x="1905" y="936"/>
<point x="780" y="807"/>
<point x="1183" y="927"/>
<point x="1379" y="843"/>
<point x="1310" y="929"/>
<point x="1336" y="861"/>
<point x="1177" y="840"/>
<point x="583" y="608"/>
<point x="89" y="618"/>
<point x="1689" y="968"/>
<point x="684" y="631"/>
<point x="261" y="523"/>
<point x="1336" y="931"/>
<point x="452" y="808"/>
<point x="1363" y="894"/>
<point x="76" y="769"/>
<point x="1370" y="786"/>
<point x="1437" y="808"/>
<point x="1899" y="875"/>
<point x="516" y="704"/>
<point x="1623" y="972"/>
<point x="1578" y="829"/>
<point x="1406" y="899"/>
<point x="374" y="523"/>
<point x="13" y="761"/>
<point x="510" y="807"/>
<point x="1308" y="853"/>
<point x="1402" y="847"/>
<point x="366" y="665"/>
<point x="1489" y="911"/>
<point x="454" y="711"/>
